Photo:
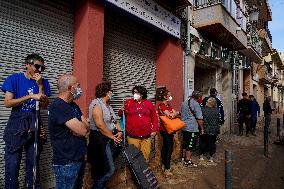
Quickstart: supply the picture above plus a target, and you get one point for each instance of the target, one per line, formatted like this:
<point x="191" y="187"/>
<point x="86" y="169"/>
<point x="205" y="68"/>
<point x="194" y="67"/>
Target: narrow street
<point x="251" y="170"/>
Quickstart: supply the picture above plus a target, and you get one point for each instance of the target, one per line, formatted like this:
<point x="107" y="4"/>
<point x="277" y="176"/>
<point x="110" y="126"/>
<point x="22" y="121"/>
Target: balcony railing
<point x="268" y="31"/>
<point x="269" y="34"/>
<point x="253" y="37"/>
<point x="268" y="70"/>
<point x="241" y="18"/>
<point x="230" y="5"/>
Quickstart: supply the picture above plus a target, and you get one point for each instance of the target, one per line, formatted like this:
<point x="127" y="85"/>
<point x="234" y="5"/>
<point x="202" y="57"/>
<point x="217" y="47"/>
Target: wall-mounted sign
<point x="151" y="12"/>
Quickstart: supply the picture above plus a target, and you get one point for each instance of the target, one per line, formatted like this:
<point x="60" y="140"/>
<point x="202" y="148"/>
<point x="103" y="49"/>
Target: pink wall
<point x="170" y="69"/>
<point x="88" y="48"/>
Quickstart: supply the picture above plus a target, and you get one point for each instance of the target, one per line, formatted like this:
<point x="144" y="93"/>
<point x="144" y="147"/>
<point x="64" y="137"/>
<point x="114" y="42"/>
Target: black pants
<point x="267" y="119"/>
<point x="167" y="149"/>
<point x="244" y="119"/>
<point x="207" y="144"/>
<point x="253" y="122"/>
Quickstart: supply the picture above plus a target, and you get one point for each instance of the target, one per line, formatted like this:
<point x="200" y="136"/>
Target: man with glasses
<point x="22" y="90"/>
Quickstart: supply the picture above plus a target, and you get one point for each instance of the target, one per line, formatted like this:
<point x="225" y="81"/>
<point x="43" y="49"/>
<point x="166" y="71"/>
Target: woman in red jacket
<point x="165" y="108"/>
<point x="141" y="120"/>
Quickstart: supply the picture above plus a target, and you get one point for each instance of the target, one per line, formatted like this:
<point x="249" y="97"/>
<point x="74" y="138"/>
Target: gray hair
<point x="64" y="82"/>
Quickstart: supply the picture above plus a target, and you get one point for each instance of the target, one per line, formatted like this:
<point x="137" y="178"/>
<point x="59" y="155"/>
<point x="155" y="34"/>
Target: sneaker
<point x="211" y="160"/>
<point x="189" y="163"/>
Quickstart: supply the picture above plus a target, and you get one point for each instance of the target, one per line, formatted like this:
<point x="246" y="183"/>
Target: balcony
<point x="266" y="37"/>
<point x="221" y="21"/>
<point x="277" y="60"/>
<point x="265" y="74"/>
<point x="275" y="78"/>
<point x="254" y="44"/>
<point x="173" y="5"/>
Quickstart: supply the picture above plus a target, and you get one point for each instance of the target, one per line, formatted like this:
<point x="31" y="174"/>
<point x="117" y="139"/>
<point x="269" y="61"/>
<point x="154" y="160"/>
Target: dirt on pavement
<point x="251" y="169"/>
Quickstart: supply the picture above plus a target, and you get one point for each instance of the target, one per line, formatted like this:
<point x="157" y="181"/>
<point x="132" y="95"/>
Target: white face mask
<point x="110" y="96"/>
<point x="78" y="93"/>
<point x="170" y="98"/>
<point x="136" y="96"/>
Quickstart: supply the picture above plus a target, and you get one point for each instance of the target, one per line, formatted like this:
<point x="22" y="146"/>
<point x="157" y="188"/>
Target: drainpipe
<point x="186" y="55"/>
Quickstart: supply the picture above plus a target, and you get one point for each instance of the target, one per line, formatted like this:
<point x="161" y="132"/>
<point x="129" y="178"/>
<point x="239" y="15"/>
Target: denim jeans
<point x="12" y="166"/>
<point x="253" y="123"/>
<point x="69" y="176"/>
<point x="101" y="182"/>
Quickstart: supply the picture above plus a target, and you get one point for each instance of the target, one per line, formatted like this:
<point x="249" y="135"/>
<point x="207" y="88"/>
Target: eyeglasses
<point x="38" y="66"/>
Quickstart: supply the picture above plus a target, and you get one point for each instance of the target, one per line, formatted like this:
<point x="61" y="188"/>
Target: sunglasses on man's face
<point x="38" y="66"/>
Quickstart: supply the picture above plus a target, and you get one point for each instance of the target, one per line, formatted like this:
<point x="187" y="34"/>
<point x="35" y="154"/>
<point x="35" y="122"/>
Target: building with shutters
<point x="127" y="42"/>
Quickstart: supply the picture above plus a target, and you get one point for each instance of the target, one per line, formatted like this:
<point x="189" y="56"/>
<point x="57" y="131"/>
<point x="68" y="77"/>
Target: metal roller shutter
<point x="44" y="27"/>
<point x="129" y="56"/>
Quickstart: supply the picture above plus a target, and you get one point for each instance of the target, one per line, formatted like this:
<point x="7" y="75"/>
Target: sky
<point x="276" y="26"/>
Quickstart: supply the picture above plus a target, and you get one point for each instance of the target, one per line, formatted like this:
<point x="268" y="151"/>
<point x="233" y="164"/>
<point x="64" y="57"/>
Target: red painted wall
<point x="88" y="48"/>
<point x="170" y="70"/>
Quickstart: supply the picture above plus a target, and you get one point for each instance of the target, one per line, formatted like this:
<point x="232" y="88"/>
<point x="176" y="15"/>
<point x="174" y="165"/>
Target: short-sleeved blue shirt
<point x="67" y="147"/>
<point x="20" y="86"/>
<point x="187" y="116"/>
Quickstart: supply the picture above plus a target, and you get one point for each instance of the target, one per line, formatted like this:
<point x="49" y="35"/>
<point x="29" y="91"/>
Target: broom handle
<point x="35" y="145"/>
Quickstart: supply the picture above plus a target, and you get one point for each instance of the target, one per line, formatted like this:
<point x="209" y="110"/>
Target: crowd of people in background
<point x="248" y="110"/>
<point x="69" y="129"/>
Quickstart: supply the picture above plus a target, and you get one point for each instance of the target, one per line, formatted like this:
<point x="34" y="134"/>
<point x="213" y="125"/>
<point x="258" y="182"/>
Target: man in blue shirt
<point x="254" y="110"/>
<point x="22" y="90"/>
<point x="68" y="129"/>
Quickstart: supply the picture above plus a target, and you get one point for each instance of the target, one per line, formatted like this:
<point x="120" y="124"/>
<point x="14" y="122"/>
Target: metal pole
<point x="278" y="127"/>
<point x="283" y="120"/>
<point x="265" y="137"/>
<point x="228" y="169"/>
<point x="35" y="146"/>
<point x="186" y="55"/>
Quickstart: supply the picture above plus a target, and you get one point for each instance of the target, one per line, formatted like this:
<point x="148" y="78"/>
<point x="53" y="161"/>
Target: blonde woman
<point x="211" y="129"/>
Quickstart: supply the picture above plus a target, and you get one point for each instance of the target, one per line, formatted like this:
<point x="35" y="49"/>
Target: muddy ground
<point x="251" y="169"/>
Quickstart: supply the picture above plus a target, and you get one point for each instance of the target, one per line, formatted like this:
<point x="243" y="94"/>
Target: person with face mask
<point x="105" y="136"/>
<point x="141" y="120"/>
<point x="164" y="108"/>
<point x="68" y="129"/>
<point x="22" y="90"/>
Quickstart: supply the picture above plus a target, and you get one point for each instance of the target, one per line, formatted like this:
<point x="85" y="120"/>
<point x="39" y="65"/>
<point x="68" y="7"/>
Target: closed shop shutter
<point x="44" y="27"/>
<point x="129" y="56"/>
